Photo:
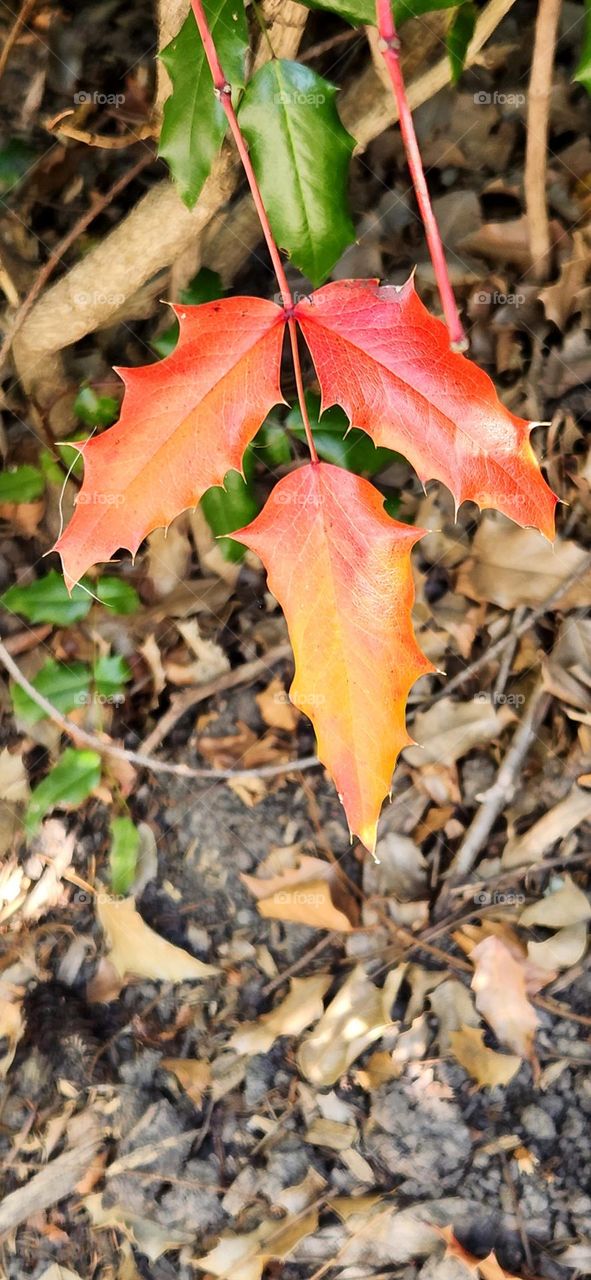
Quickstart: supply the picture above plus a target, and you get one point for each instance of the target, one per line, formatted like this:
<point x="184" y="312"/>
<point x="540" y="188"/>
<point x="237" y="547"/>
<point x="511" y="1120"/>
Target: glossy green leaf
<point x="583" y="71"/>
<point x="301" y="153"/>
<point x="354" y="451"/>
<point x="206" y="286"/>
<point x="115" y="594"/>
<point x="459" y="36"/>
<point x="194" y="122"/>
<point x="22" y="484"/>
<point x="110" y="673"/>
<point x="96" y="410"/>
<point x="123" y="856"/>
<point x="66" y="686"/>
<point x="271" y="445"/>
<point x="74" y="777"/>
<point x="47" y="600"/>
<point x="230" y="508"/>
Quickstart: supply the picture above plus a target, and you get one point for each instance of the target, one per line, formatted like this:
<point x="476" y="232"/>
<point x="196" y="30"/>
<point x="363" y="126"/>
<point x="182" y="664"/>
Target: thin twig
<point x="110" y="749"/>
<point x="62" y="247"/>
<point x="189" y="698"/>
<point x="390" y="49"/>
<point x="13" y="35"/>
<point x="536" y="148"/>
<point x="504" y="786"/>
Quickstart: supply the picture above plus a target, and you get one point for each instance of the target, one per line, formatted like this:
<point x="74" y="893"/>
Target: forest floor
<point x="271" y="1053"/>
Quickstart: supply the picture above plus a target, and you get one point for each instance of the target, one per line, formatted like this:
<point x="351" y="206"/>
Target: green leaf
<point x="230" y="508"/>
<point x="459" y="36"/>
<point x="354" y="451"/>
<point x="301" y="153"/>
<point x="75" y="775"/>
<point x="357" y="11"/>
<point x="65" y="684"/>
<point x="194" y="121"/>
<point x="47" y="600"/>
<point x="123" y="856"/>
<point x="583" y="71"/>
<point x="115" y="594"/>
<point x="271" y="445"/>
<point x="95" y="410"/>
<point x="206" y="286"/>
<point x="22" y="484"/>
<point x="109" y="675"/>
<point x="15" y="158"/>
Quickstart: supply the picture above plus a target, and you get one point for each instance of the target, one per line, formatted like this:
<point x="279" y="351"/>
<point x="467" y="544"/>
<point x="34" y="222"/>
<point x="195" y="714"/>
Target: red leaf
<point x="381" y="356"/>
<point x="340" y="569"/>
<point x="185" y="423"/>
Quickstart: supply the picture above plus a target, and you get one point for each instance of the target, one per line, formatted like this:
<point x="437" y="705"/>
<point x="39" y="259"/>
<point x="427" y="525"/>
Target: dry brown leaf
<point x="194" y="1074"/>
<point x="331" y="1133"/>
<point x="564" y="906"/>
<point x="453" y="1007"/>
<point x="245" y="1257"/>
<point x="275" y="707"/>
<point x="449" y="729"/>
<point x="150" y="1237"/>
<point x="14" y="783"/>
<point x="299" y="1010"/>
<point x="378" y="1070"/>
<point x="486" y="1067"/>
<point x="135" y="949"/>
<point x="358" y="1015"/>
<point x="300" y="870"/>
<point x="552" y="826"/>
<point x="510" y="566"/>
<point x="11" y="1029"/>
<point x="559" y="300"/>
<point x="562" y="950"/>
<point x="168" y="557"/>
<point x="307" y="903"/>
<point x="501" y="996"/>
<point x="153" y="659"/>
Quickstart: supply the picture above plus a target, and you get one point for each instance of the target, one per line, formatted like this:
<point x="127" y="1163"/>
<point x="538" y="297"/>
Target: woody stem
<point x="223" y="91"/>
<point x="390" y="49"/>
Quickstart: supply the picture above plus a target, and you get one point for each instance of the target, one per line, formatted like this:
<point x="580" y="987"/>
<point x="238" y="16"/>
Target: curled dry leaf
<point x="308" y="892"/>
<point x="562" y="950"/>
<point x="501" y="996"/>
<point x="564" y="906"/>
<point x="245" y="1257"/>
<point x="551" y="827"/>
<point x="357" y="1016"/>
<point x="512" y="567"/>
<point x="135" y="949"/>
<point x="486" y="1067"/>
<point x="449" y="729"/>
<point x="299" y="1010"/>
<point x="453" y="1007"/>
<point x="275" y="707"/>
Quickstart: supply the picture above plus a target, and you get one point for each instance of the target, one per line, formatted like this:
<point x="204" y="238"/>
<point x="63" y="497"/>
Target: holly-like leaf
<point x="185" y="422"/>
<point x="23" y="484"/>
<point x="381" y="356"/>
<point x="123" y="855"/>
<point x="194" y="122"/>
<point x="358" y="11"/>
<point x="47" y="600"/>
<point x="65" y="684"/>
<point x="340" y="569"/>
<point x="72" y="779"/>
<point x="301" y="153"/>
<point x="227" y="509"/>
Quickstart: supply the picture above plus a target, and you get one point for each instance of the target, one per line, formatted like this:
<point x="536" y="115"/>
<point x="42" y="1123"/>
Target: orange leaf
<point x="381" y="356"/>
<point x="340" y="569"/>
<point x="185" y="423"/>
